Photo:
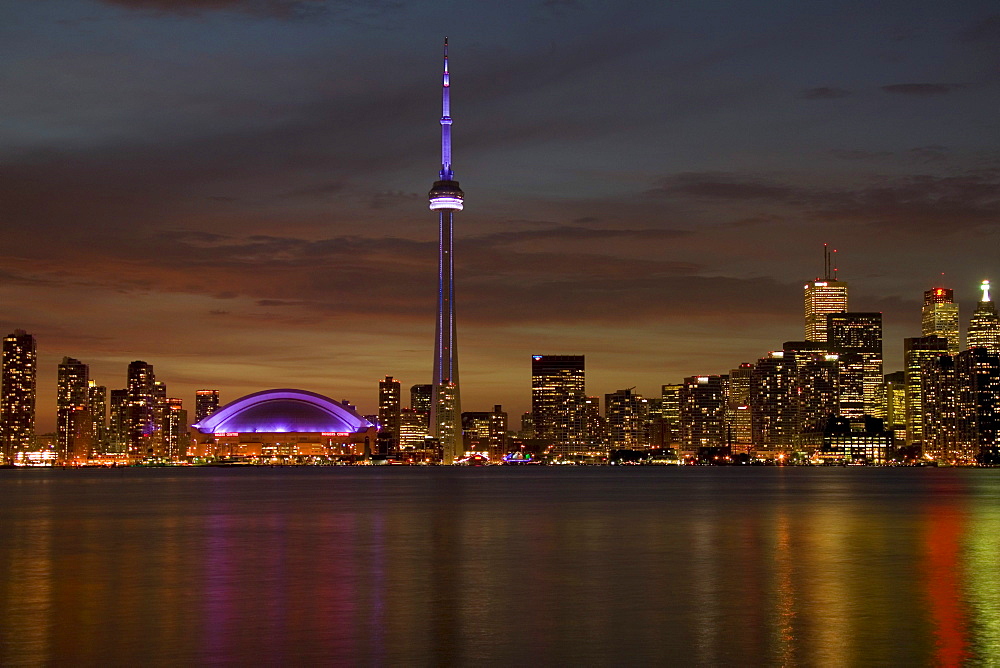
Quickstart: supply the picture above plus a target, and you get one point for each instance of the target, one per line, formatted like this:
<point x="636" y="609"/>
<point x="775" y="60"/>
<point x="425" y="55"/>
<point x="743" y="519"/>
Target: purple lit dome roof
<point x="283" y="411"/>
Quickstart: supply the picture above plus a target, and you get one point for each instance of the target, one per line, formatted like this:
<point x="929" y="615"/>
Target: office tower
<point x="817" y="392"/>
<point x="74" y="423"/>
<point x="978" y="377"/>
<point x="895" y="404"/>
<point x="739" y="430"/>
<point x="118" y="423"/>
<point x="446" y="197"/>
<point x="626" y="413"/>
<point x="595" y="426"/>
<point x="176" y="438"/>
<point x="527" y="426"/>
<point x="857" y="337"/>
<point x="558" y="399"/>
<point x="863" y="440"/>
<point x="476" y="431"/>
<point x="140" y="411"/>
<point x="17" y="395"/>
<point x="917" y="352"/>
<point x="702" y="409"/>
<point x="823" y="296"/>
<point x="161" y="413"/>
<point x="412" y="429"/>
<point x="939" y="399"/>
<point x="774" y="409"/>
<point x="670" y="408"/>
<point x="206" y="402"/>
<point x="389" y="407"/>
<point x="420" y="398"/>
<point x="939" y="317"/>
<point x="97" y="402"/>
<point x="498" y="432"/>
<point x="984" y="327"/>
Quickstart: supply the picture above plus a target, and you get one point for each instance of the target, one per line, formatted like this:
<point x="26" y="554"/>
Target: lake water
<point x="500" y="566"/>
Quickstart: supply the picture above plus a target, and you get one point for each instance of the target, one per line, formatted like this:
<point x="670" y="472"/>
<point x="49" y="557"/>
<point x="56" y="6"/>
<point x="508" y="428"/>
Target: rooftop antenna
<point x="446" y="173"/>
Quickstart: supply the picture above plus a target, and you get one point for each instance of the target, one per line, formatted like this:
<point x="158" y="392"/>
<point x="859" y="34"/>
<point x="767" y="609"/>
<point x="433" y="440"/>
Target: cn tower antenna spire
<point x="446" y="172"/>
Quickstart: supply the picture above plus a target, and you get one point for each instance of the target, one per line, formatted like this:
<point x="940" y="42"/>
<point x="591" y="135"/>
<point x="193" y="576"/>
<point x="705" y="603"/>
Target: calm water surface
<point x="500" y="566"/>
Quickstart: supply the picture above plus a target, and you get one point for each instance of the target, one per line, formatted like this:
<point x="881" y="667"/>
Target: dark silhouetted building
<point x="17" y="395"/>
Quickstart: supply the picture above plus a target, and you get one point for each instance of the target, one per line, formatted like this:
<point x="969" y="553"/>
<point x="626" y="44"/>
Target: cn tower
<point x="446" y="198"/>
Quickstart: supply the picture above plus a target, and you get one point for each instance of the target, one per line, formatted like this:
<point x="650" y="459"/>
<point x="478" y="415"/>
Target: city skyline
<point x="237" y="215"/>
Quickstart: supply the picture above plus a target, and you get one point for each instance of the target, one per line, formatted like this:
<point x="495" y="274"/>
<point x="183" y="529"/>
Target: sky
<point x="235" y="191"/>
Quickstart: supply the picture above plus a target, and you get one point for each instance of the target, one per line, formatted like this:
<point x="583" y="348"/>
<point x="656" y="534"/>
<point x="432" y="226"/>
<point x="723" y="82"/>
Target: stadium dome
<point x="277" y="411"/>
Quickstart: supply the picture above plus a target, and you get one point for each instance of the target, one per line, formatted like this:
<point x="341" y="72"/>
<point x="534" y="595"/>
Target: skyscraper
<point x="140" y="415"/>
<point x="702" y="408"/>
<point x="939" y="317"/>
<point x="74" y="423"/>
<point x="984" y="327"/>
<point x="17" y="395"/>
<point x="626" y="413"/>
<point x="918" y="352"/>
<point x="175" y="429"/>
<point x="206" y="402"/>
<point x="823" y="296"/>
<point x="389" y="407"/>
<point x="857" y="337"/>
<point x="446" y="197"/>
<point x="558" y="399"/>
<point x="97" y="401"/>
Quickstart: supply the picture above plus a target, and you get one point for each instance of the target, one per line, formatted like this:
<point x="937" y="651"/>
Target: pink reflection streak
<point x="943" y="564"/>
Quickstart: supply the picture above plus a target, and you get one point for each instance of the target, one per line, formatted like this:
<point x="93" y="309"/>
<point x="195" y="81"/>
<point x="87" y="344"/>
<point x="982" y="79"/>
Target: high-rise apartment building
<point x="420" y="398"/>
<point x="857" y="337"/>
<point x="670" y="409"/>
<point x="118" y="423"/>
<point x="823" y="296"/>
<point x="918" y="352"/>
<point x="895" y="404"/>
<point x="984" y="326"/>
<point x="596" y="427"/>
<point x="558" y="399"/>
<point x="939" y="317"/>
<point x="978" y="373"/>
<point x="97" y="401"/>
<point x="625" y="413"/>
<point x="176" y="437"/>
<point x="74" y="422"/>
<point x="412" y="429"/>
<point x="773" y="404"/>
<point x="140" y="411"/>
<point x="389" y="407"/>
<point x="702" y="408"/>
<point x="206" y="402"/>
<point x="940" y="409"/>
<point x="17" y="395"/>
<point x="739" y="425"/>
<point x="817" y="392"/>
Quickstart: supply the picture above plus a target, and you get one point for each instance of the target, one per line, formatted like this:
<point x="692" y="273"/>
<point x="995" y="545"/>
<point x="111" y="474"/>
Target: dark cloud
<point x="922" y="201"/>
<point x="984" y="30"/>
<point x="921" y="89"/>
<point x="284" y="9"/>
<point x="823" y="93"/>
<point x="720" y="185"/>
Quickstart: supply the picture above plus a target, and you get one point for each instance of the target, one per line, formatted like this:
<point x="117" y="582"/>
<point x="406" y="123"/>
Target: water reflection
<point x="596" y="567"/>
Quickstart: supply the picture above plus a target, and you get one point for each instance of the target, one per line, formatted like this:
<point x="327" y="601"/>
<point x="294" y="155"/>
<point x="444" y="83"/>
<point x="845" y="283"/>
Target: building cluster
<point x="139" y="423"/>
<point x="822" y="399"/>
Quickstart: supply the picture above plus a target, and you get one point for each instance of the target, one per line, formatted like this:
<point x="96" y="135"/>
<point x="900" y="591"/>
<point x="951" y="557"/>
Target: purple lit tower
<point x="446" y="198"/>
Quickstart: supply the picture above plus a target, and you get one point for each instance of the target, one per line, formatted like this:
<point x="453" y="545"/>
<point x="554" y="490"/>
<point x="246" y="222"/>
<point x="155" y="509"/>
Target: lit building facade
<point x="984" y="326"/>
<point x="97" y="400"/>
<point x="858" y="338"/>
<point x="918" y="352"/>
<point x="558" y="399"/>
<point x="389" y="407"/>
<point x="773" y="405"/>
<point x="206" y="402"/>
<point x="140" y="411"/>
<point x="74" y="422"/>
<point x="283" y="426"/>
<point x="702" y="408"/>
<point x="17" y="395"/>
<point x="939" y="317"/>
<point x="859" y="440"/>
<point x="626" y="413"/>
